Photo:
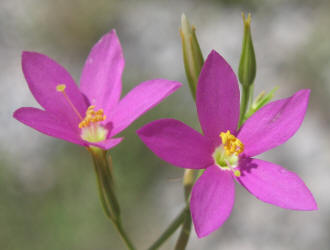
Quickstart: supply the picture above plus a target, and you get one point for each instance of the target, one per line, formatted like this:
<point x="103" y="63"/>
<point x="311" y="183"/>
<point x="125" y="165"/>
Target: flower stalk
<point x="185" y="231"/>
<point x="188" y="182"/>
<point x="176" y="223"/>
<point x="247" y="96"/>
<point x="109" y="201"/>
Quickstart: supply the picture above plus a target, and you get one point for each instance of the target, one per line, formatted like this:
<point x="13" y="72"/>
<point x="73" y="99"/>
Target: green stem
<point x="189" y="177"/>
<point x="251" y="95"/>
<point x="188" y="182"/>
<point x="185" y="232"/>
<point x="109" y="201"/>
<point x="105" y="182"/>
<point x="170" y="230"/>
<point x="123" y="234"/>
<point x="246" y="94"/>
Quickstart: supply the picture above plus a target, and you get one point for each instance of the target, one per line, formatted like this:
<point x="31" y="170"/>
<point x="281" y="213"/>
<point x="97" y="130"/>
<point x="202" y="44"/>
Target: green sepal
<point x="262" y="99"/>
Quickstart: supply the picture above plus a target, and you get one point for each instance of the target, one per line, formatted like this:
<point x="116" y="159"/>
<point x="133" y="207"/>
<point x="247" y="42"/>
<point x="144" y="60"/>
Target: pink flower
<point x="226" y="153"/>
<point x="93" y="114"/>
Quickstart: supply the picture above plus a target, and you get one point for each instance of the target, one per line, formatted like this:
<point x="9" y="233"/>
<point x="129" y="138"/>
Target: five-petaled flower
<point x="93" y="114"/>
<point x="226" y="152"/>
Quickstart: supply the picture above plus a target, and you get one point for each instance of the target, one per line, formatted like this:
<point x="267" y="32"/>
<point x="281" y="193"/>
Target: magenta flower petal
<point x="101" y="77"/>
<point x="212" y="200"/>
<point x="139" y="100"/>
<point x="48" y="124"/>
<point x="274" y="124"/>
<point x="217" y="97"/>
<point x="107" y="144"/>
<point x="275" y="185"/>
<point x="43" y="75"/>
<point x="176" y="143"/>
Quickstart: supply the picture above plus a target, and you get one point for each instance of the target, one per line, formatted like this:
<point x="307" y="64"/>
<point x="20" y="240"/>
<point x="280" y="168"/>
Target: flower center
<point x="91" y="129"/>
<point x="227" y="155"/>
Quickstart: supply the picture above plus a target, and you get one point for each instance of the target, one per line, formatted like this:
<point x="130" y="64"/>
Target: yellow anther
<point x="92" y="116"/>
<point x="60" y="87"/>
<point x="237" y="173"/>
<point x="231" y="144"/>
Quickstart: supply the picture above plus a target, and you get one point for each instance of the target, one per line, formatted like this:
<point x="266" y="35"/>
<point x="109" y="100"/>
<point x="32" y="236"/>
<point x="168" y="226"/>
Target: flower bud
<point x="192" y="55"/>
<point x="247" y="65"/>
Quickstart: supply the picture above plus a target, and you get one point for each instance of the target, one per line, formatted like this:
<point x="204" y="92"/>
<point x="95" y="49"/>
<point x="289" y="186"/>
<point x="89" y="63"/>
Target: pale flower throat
<point x="91" y="129"/>
<point x="227" y="155"/>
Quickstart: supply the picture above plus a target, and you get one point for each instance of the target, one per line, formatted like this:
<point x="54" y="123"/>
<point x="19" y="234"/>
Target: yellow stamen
<point x="92" y="116"/>
<point x="231" y="144"/>
<point x="61" y="88"/>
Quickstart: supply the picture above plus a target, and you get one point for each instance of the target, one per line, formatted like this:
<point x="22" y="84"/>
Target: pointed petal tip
<point x="275" y="185"/>
<point x="214" y="53"/>
<point x="27" y="54"/>
<point x="217" y="56"/>
<point x="309" y="205"/>
<point x="304" y="92"/>
<point x="176" y="85"/>
<point x="112" y="32"/>
<point x="308" y="91"/>
<point x="140" y="131"/>
<point x="313" y="206"/>
<point x="17" y="112"/>
<point x="201" y="234"/>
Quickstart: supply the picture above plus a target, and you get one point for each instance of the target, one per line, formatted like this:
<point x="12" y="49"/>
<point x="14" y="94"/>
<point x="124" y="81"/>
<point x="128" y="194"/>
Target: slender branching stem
<point x="170" y="230"/>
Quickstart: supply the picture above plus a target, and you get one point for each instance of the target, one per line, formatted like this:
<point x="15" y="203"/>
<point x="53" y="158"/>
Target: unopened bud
<point x="247" y="65"/>
<point x="192" y="54"/>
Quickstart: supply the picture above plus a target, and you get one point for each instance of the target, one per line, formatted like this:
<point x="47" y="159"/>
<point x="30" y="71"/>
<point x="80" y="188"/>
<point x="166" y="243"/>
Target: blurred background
<point x="48" y="192"/>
